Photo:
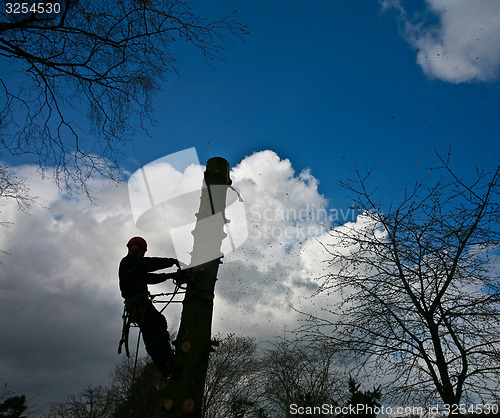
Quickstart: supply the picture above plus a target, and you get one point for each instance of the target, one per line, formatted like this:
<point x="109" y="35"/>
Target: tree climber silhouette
<point x="135" y="273"/>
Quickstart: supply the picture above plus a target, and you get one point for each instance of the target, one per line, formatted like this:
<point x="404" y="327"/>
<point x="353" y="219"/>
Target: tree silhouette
<point x="420" y="296"/>
<point x="231" y="386"/>
<point x="364" y="401"/>
<point x="12" y="406"/>
<point x="104" y="58"/>
<point x="91" y="402"/>
<point x="301" y="373"/>
<point x="144" y="395"/>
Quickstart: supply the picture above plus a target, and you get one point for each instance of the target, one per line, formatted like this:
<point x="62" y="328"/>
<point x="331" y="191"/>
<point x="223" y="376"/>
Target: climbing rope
<point x="171" y="300"/>
<point x="136" y="355"/>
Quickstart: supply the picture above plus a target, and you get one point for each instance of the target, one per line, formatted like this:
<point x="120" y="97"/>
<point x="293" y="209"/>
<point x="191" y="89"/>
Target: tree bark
<point x="193" y="343"/>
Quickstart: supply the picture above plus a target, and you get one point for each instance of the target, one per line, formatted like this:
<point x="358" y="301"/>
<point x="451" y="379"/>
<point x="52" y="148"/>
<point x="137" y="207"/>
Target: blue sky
<point x="328" y="86"/>
<point x="314" y="90"/>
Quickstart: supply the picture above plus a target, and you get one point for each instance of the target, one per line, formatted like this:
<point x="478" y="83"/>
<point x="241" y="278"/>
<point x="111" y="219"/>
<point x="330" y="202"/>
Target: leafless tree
<point x="300" y="373"/>
<point x="91" y="402"/>
<point x="419" y="286"/>
<point x="232" y="378"/>
<point x="100" y="58"/>
<point x="11" y="187"/>
<point x="135" y="390"/>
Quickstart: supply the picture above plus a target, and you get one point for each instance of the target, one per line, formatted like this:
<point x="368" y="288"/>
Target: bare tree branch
<point x="104" y="59"/>
<point x="420" y="298"/>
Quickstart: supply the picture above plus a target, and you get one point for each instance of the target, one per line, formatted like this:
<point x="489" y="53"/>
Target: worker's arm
<point x="155" y="278"/>
<point x="157" y="263"/>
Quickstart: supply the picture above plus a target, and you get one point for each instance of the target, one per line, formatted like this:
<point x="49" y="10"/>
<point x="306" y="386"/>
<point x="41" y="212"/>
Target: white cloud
<point x="60" y="308"/>
<point x="465" y="43"/>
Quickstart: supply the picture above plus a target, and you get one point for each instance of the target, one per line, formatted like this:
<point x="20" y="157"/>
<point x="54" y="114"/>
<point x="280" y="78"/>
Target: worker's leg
<point x="157" y="340"/>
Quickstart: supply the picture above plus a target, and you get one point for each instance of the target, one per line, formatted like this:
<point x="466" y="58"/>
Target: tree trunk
<point x="193" y="343"/>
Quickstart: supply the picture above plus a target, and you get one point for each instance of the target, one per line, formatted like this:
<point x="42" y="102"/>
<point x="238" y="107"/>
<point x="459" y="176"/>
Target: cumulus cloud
<point x="266" y="276"/>
<point x="60" y="308"/>
<point x="58" y="300"/>
<point x="464" y="44"/>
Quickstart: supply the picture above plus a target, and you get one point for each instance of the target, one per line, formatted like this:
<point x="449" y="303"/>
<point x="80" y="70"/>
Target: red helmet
<point x="136" y="244"/>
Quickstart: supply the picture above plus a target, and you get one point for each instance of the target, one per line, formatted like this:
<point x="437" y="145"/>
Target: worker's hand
<point x="182" y="277"/>
<point x="176" y="262"/>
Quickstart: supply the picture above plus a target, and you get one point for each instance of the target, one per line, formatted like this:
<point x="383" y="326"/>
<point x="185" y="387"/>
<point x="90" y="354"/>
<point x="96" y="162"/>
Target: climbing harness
<point x="129" y="319"/>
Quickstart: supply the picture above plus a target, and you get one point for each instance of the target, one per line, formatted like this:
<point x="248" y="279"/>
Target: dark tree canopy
<point x="364" y="401"/>
<point x="104" y="58"/>
<point x="12" y="406"/>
